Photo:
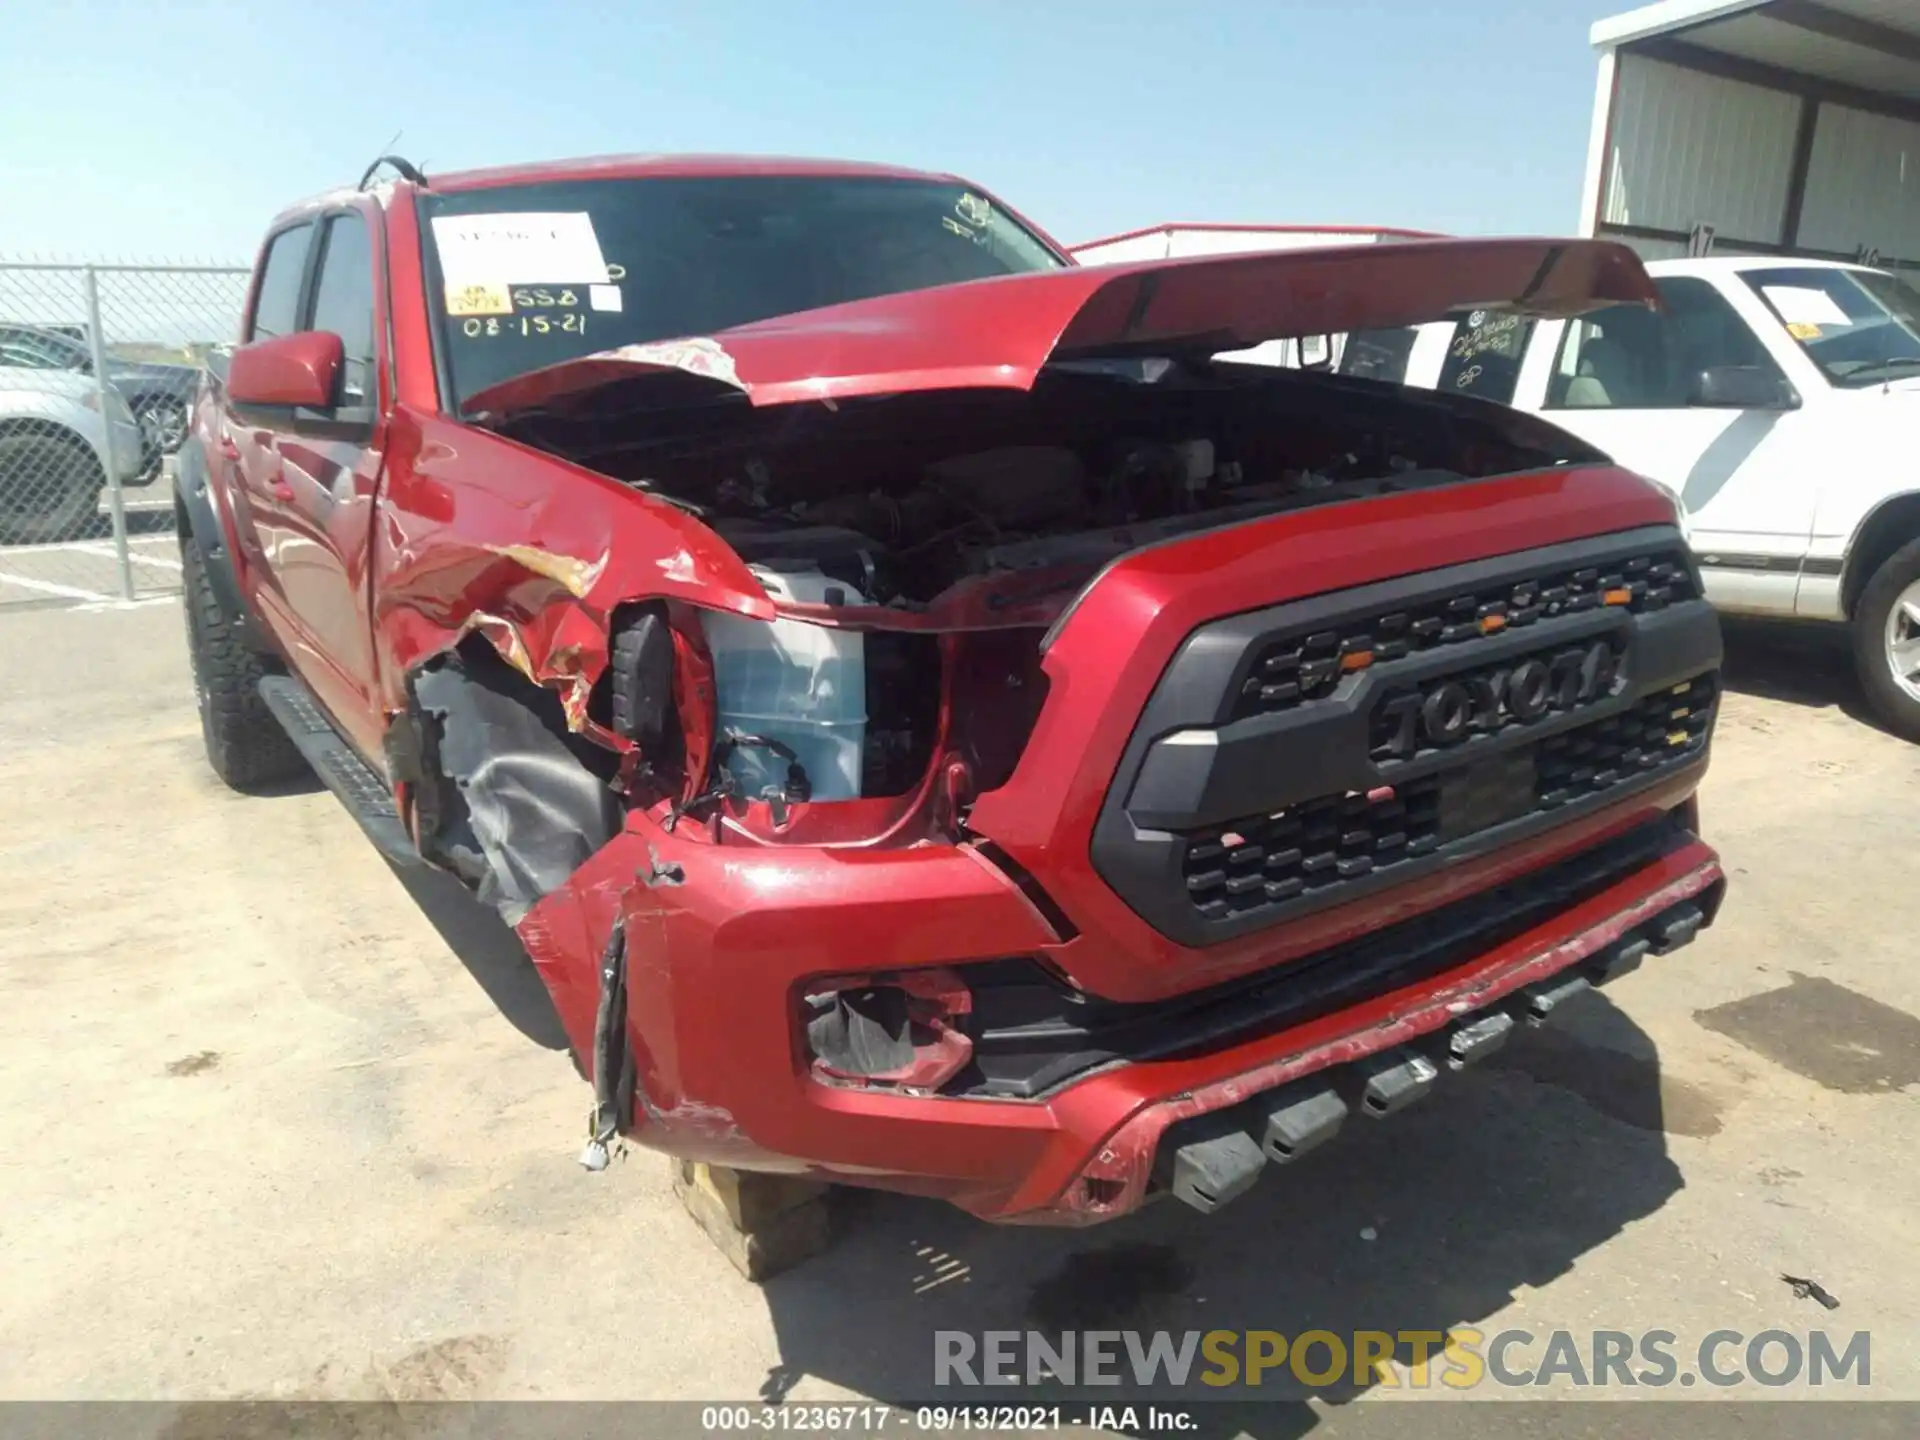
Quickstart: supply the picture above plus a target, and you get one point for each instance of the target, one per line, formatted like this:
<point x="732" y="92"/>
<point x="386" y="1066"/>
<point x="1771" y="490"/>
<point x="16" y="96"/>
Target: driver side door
<point x="310" y="477"/>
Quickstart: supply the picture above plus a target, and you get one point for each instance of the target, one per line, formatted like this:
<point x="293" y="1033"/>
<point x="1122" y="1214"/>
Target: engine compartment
<point x="833" y="730"/>
<point x="903" y="497"/>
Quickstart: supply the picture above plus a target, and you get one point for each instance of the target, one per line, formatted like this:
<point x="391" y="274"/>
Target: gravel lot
<point x="276" y="1122"/>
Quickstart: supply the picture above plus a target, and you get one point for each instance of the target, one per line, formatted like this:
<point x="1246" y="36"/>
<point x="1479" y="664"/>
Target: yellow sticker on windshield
<point x="479" y="300"/>
<point x="1804" y="330"/>
<point x="973" y="209"/>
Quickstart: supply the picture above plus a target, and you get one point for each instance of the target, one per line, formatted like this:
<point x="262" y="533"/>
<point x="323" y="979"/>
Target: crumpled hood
<point x="1001" y="332"/>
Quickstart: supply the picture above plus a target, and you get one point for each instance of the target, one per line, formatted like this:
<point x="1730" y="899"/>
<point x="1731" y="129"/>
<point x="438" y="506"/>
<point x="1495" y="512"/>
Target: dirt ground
<point x="276" y="1121"/>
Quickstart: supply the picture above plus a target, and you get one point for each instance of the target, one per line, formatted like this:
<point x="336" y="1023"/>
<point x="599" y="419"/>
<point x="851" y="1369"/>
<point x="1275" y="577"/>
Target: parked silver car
<point x="54" y="453"/>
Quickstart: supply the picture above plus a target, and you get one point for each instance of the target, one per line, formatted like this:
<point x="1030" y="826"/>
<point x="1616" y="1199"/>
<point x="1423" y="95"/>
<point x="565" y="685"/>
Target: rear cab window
<point x="1483" y="358"/>
<point x="1378" y="354"/>
<point x="526" y="276"/>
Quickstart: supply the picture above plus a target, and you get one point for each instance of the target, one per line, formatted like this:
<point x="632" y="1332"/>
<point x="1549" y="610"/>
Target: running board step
<point x="367" y="797"/>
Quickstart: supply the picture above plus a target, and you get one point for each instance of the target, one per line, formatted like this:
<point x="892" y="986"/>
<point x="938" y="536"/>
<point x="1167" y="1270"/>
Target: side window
<point x="276" y="308"/>
<point x="1630" y="358"/>
<point x="1705" y="332"/>
<point x="343" y="303"/>
<point x="1378" y="354"/>
<point x="1483" y="358"/>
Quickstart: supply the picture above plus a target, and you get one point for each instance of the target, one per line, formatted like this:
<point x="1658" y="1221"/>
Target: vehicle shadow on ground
<point x="491" y="952"/>
<point x="99" y="526"/>
<point x="1503" y="1178"/>
<point x="1808" y="665"/>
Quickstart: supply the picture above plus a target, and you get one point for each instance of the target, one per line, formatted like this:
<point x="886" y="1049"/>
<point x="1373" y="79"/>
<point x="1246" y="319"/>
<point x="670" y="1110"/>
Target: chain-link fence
<point x="98" y="364"/>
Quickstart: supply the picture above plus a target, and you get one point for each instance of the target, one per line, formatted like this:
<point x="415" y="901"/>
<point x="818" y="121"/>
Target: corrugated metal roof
<point x="1870" y="45"/>
<point x="1663" y="18"/>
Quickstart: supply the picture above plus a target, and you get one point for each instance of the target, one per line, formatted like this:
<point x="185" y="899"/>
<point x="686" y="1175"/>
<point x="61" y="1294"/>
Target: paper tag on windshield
<point x="603" y="297"/>
<point x="1804" y="305"/>
<point x="543" y="247"/>
<point x="1801" y="330"/>
<point x="479" y="300"/>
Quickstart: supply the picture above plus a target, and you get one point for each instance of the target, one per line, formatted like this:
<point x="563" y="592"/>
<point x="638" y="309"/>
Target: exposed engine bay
<point x="901" y="501"/>
<point x="901" y="497"/>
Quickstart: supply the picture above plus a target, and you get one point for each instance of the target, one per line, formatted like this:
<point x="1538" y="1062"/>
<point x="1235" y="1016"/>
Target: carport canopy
<point x="1759" y="127"/>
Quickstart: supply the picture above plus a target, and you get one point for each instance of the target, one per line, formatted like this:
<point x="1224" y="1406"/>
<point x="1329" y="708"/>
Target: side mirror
<point x="1741" y="387"/>
<point x="300" y="370"/>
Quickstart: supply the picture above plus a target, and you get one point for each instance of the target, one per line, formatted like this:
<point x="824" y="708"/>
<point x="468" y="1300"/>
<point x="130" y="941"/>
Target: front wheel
<point x="246" y="746"/>
<point x="1886" y="642"/>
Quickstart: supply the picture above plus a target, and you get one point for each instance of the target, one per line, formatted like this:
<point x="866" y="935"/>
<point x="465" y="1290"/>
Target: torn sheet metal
<point x="534" y="566"/>
<point x="528" y="812"/>
<point x="696" y="356"/>
<point x="574" y="574"/>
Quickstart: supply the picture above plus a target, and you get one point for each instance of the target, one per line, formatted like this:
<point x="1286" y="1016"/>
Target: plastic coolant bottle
<point x="802" y="685"/>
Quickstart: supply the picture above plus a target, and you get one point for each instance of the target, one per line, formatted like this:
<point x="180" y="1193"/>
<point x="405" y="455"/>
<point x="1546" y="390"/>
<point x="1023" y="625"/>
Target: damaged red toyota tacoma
<point x="935" y="719"/>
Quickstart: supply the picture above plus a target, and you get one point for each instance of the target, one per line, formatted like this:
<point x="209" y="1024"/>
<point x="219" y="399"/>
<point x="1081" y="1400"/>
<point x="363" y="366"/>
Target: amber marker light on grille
<point x="1356" y="660"/>
<point x="1489" y="624"/>
<point x="1618" y="597"/>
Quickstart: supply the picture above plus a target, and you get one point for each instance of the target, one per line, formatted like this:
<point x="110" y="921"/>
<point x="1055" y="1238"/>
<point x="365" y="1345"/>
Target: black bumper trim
<point x="1032" y="1033"/>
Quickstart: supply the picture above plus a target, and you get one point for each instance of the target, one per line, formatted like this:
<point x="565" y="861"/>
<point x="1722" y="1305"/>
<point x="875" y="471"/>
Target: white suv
<point x="1778" y="398"/>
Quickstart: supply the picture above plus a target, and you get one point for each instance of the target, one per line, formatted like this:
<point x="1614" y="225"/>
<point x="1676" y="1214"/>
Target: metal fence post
<point x="103" y="388"/>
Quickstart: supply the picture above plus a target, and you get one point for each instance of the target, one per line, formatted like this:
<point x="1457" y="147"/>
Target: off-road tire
<point x="245" y="745"/>
<point x="1891" y="704"/>
<point x="50" y="483"/>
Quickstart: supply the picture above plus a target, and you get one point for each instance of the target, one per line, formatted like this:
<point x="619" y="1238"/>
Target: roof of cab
<point x="1733" y="264"/>
<point x="615" y="167"/>
<point x="612" y="167"/>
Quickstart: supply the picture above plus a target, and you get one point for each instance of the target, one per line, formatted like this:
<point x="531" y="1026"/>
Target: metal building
<point x="1759" y="126"/>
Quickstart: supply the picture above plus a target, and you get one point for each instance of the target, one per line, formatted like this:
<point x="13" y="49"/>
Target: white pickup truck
<point x="1778" y="398"/>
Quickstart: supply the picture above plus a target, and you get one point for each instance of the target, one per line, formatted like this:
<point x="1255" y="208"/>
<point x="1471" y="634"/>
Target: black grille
<point x="1308" y="666"/>
<point x="1221" y="823"/>
<point x="1317" y="846"/>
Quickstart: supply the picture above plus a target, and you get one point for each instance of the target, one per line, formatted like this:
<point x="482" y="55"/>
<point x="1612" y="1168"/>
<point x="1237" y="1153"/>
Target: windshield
<point x="528" y="276"/>
<point x="1859" y="326"/>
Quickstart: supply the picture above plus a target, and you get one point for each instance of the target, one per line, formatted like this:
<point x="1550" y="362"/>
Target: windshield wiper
<point x="1871" y="371"/>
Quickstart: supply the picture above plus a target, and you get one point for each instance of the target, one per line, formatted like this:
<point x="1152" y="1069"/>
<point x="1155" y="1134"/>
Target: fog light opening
<point x="897" y="1032"/>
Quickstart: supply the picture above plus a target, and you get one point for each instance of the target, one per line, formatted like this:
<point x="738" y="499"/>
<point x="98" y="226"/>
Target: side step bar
<point x="368" y="798"/>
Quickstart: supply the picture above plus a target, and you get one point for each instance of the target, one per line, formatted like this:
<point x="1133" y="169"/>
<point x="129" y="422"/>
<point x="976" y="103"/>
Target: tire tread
<point x="246" y="745"/>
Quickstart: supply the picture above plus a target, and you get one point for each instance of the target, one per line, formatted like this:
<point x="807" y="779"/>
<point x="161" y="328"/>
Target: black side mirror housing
<point x="1742" y="387"/>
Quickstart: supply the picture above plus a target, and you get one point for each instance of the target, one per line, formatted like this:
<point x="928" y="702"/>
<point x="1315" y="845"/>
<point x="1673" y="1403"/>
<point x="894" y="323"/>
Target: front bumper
<point x="720" y="958"/>
<point x="725" y="938"/>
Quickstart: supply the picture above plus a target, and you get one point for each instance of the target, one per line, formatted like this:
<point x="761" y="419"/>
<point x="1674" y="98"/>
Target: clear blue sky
<point x="144" y="131"/>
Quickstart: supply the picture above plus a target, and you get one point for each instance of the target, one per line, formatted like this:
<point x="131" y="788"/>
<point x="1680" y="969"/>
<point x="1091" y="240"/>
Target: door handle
<point x="282" y="491"/>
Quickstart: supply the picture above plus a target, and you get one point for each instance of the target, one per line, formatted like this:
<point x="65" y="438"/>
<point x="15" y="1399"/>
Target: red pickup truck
<point x="934" y="723"/>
